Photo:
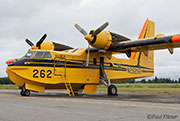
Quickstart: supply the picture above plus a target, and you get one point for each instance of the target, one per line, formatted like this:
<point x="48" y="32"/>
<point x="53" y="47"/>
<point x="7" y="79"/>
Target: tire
<point x="112" y="90"/>
<point x="22" y="93"/>
<point x="25" y="93"/>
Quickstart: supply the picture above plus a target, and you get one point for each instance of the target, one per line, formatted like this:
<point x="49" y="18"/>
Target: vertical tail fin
<point x="145" y="58"/>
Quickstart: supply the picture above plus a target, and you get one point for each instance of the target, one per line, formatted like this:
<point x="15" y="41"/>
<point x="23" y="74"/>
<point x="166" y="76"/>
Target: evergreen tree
<point x="143" y="81"/>
<point x="5" y="80"/>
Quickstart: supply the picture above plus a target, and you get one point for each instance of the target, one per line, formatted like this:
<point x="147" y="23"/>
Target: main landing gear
<point x="112" y="90"/>
<point x="24" y="92"/>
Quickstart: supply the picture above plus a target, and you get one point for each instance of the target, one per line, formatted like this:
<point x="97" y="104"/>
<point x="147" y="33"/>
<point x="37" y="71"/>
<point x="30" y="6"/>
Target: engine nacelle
<point x="101" y="41"/>
<point x="52" y="46"/>
<point x="44" y="46"/>
<point x="47" y="46"/>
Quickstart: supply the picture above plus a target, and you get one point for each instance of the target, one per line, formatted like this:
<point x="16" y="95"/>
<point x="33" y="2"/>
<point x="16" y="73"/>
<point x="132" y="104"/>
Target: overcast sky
<point x="20" y="19"/>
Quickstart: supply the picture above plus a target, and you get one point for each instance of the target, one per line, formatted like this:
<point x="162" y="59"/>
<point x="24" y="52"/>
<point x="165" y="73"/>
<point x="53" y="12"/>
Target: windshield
<point x="29" y="54"/>
<point x="38" y="55"/>
<point x="47" y="55"/>
<point x="35" y="54"/>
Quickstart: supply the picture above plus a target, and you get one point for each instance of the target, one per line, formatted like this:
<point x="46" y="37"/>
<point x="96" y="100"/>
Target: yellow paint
<point x="103" y="40"/>
<point x="89" y="38"/>
<point x="34" y="87"/>
<point x="90" y="88"/>
<point x="47" y="46"/>
<point x="159" y="35"/>
<point x="34" y="47"/>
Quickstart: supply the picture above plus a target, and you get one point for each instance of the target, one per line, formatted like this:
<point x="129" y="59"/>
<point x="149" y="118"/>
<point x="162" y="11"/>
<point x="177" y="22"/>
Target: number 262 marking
<point x="42" y="73"/>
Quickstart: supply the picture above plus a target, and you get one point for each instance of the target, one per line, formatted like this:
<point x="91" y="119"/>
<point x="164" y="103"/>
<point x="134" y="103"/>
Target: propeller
<point x="82" y="31"/>
<point x="100" y="29"/>
<point x="29" y="42"/>
<point x="38" y="44"/>
<point x="90" y="36"/>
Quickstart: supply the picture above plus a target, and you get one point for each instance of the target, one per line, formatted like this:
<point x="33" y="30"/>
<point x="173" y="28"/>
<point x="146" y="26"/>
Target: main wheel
<point x="112" y="90"/>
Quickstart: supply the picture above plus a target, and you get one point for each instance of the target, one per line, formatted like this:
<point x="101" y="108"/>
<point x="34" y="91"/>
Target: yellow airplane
<point x="49" y="65"/>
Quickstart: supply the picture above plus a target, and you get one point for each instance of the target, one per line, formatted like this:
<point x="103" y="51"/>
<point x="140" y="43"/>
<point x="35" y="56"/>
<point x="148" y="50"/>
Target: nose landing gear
<point x="24" y="92"/>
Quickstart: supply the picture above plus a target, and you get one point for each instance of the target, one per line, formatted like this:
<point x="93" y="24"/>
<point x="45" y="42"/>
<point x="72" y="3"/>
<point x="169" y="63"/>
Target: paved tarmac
<point x="57" y="106"/>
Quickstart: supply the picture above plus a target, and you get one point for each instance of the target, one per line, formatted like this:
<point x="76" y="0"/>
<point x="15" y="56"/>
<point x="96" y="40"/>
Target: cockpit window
<point x="39" y="55"/>
<point x="29" y="54"/>
<point x="47" y="55"/>
<point x="35" y="54"/>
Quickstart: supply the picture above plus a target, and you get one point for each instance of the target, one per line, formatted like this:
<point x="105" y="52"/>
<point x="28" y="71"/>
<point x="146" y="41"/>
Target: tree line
<point x="160" y="80"/>
<point x="5" y="80"/>
<point x="154" y="80"/>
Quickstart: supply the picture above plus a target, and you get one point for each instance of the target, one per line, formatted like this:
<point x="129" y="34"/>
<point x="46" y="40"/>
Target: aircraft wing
<point x="157" y="43"/>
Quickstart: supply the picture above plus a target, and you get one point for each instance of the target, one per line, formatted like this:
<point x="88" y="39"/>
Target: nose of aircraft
<point x="10" y="61"/>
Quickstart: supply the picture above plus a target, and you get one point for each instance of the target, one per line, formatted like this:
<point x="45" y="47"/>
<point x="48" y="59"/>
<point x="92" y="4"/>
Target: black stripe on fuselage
<point x="67" y="64"/>
<point x="147" y="71"/>
<point x="134" y="66"/>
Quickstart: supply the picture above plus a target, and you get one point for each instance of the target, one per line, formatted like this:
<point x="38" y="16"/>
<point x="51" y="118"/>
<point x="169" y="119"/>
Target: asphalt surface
<point x="57" y="106"/>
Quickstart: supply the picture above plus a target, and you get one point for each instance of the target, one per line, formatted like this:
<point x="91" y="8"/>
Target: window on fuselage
<point x="39" y="55"/>
<point x="47" y="55"/>
<point x="29" y="54"/>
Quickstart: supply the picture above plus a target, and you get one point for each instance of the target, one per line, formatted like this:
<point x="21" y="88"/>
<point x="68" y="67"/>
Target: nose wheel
<point x="25" y="92"/>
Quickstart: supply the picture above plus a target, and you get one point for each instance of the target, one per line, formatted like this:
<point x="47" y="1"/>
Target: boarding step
<point x="69" y="89"/>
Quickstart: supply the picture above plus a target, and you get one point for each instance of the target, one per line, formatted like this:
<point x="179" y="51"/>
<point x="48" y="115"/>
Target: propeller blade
<point x="88" y="53"/>
<point x="38" y="44"/>
<point x="29" y="42"/>
<point x="101" y="28"/>
<point x="80" y="29"/>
